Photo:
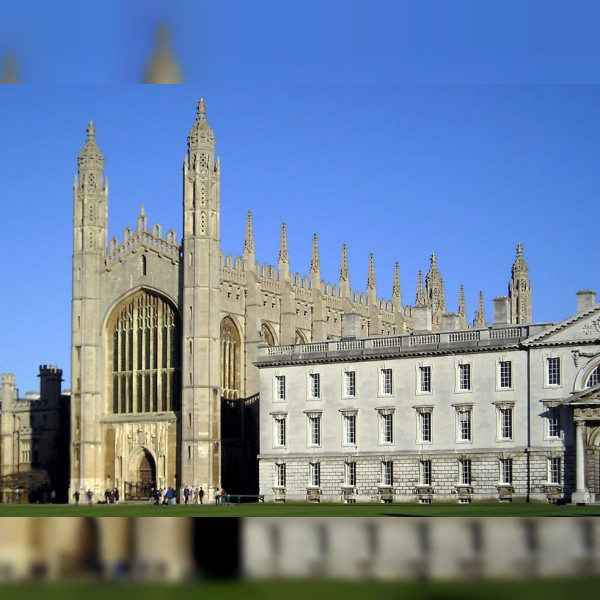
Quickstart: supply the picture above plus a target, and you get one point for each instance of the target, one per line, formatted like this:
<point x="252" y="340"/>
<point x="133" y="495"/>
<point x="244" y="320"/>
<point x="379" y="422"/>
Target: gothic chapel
<point x="166" y="331"/>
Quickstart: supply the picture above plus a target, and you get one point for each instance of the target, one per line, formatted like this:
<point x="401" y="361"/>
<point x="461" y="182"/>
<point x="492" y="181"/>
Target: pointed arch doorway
<point x="142" y="476"/>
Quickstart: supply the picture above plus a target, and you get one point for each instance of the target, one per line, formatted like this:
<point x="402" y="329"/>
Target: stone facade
<point x="458" y="415"/>
<point x="33" y="439"/>
<point x="166" y="331"/>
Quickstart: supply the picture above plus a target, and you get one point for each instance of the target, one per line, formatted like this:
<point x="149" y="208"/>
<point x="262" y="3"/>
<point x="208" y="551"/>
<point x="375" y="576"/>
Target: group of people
<point x="111" y="496"/>
<point x="168" y="496"/>
<point x="165" y="497"/>
<point x="90" y="495"/>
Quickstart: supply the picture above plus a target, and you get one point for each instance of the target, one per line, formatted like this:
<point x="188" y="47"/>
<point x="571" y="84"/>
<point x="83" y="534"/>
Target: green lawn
<point x="300" y="510"/>
<point x="300" y="590"/>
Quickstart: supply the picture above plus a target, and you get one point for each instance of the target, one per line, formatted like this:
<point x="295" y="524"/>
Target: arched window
<point x="593" y="378"/>
<point x="143" y="266"/>
<point x="300" y="337"/>
<point x="267" y="335"/>
<point x="230" y="359"/>
<point x="144" y="348"/>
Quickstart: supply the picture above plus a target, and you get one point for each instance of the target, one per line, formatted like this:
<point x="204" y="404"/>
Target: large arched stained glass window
<point x="230" y="360"/>
<point x="144" y="348"/>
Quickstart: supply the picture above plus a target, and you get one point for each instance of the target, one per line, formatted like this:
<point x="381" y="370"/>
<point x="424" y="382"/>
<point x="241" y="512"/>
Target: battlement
<point x="143" y="239"/>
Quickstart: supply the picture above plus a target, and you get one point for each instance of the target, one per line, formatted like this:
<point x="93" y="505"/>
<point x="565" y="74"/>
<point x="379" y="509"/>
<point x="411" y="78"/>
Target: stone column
<point x="581" y="494"/>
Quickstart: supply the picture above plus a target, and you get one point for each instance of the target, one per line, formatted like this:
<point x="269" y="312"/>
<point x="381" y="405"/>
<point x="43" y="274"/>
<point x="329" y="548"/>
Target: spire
<point x="421" y="299"/>
<point x="163" y="67"/>
<point x="520" y="268"/>
<point x="344" y="271"/>
<point x="201" y="139"/>
<point x="10" y="70"/>
<point x="371" y="285"/>
<point x="90" y="160"/>
<point x="249" y="237"/>
<point x="396" y="289"/>
<point x="461" y="301"/>
<point x="519" y="290"/>
<point x="283" y="246"/>
<point x="436" y="295"/>
<point x="462" y="309"/>
<point x="315" y="263"/>
<point x="480" y="313"/>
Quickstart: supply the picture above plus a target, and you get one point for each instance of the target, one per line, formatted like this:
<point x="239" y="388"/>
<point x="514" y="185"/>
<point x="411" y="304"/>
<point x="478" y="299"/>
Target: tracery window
<point x="230" y="360"/>
<point x="145" y="358"/>
<point x="267" y="335"/>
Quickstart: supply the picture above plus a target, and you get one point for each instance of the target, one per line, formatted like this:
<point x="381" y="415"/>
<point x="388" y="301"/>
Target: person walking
<point x="217" y="497"/>
<point x="76" y="496"/>
<point x="89" y="496"/>
<point x="186" y="494"/>
<point x="201" y="495"/>
<point x="196" y="496"/>
<point x="223" y="497"/>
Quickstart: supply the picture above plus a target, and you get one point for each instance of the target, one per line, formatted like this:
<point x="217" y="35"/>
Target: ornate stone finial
<point x="344" y="270"/>
<point x="396" y="288"/>
<point x="163" y="69"/>
<point x="142" y="210"/>
<point x="201" y="109"/>
<point x="315" y="263"/>
<point x="91" y="131"/>
<point x="283" y="246"/>
<point x="90" y="156"/>
<point x="520" y="269"/>
<point x="249" y="237"/>
<point x="421" y="299"/>
<point x="480" y="313"/>
<point x="371" y="285"/>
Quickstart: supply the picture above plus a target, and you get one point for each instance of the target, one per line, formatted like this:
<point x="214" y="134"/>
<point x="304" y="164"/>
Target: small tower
<point x="200" y="455"/>
<point x="90" y="226"/>
<point x="519" y="290"/>
<point x="436" y="296"/>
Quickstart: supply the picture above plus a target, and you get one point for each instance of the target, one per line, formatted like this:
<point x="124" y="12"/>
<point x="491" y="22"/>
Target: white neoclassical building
<point x="507" y="412"/>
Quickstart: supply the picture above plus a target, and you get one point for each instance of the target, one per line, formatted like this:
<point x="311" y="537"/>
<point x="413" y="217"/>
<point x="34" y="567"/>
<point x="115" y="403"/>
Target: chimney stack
<point x="585" y="300"/>
<point x="501" y="310"/>
<point x="350" y="326"/>
<point x="423" y="318"/>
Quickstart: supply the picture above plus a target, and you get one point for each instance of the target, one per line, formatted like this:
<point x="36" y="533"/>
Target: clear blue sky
<point x="401" y="171"/>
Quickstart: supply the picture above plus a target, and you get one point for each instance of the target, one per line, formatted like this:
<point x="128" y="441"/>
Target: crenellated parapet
<point x="143" y="240"/>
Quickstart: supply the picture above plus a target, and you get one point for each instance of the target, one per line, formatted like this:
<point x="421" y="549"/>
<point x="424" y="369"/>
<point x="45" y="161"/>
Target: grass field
<point x="300" y="510"/>
<point x="298" y="590"/>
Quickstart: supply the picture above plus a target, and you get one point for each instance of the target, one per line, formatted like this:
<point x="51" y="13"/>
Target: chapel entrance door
<point x="142" y="478"/>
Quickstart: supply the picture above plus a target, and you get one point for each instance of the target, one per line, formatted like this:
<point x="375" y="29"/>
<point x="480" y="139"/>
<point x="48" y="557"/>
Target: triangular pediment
<point x="588" y="396"/>
<point x="584" y="327"/>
